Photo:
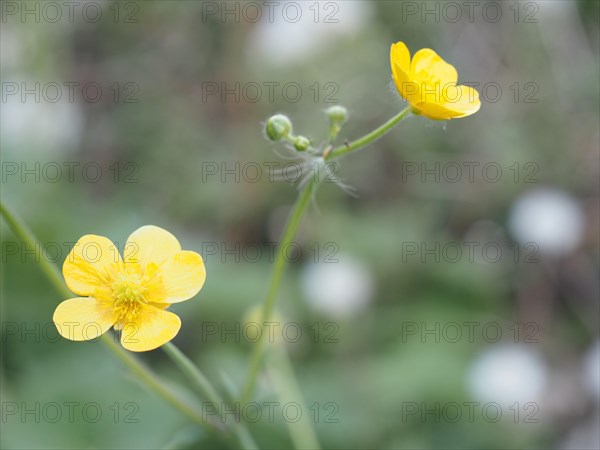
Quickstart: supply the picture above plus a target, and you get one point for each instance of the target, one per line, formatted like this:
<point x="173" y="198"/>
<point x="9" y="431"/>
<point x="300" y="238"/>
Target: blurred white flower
<point x="31" y="124"/>
<point x="591" y="370"/>
<point x="337" y="289"/>
<point x="506" y="374"/>
<point x="548" y="217"/>
<point x="297" y="30"/>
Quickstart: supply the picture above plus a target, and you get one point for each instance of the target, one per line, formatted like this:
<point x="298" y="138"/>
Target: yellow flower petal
<point x="160" y="305"/>
<point x="153" y="328"/>
<point x="150" y="244"/>
<point x="182" y="276"/>
<point x="400" y="62"/>
<point x="87" y="265"/>
<point x="400" y="57"/>
<point x="428" y="67"/>
<point x="83" y="319"/>
<point x="464" y="99"/>
<point x="460" y="101"/>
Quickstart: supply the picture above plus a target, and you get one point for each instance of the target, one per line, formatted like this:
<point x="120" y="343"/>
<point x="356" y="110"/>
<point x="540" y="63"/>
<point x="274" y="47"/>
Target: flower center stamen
<point x="128" y="294"/>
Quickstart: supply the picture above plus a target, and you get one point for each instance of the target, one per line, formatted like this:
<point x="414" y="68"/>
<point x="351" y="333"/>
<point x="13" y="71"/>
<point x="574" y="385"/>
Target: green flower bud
<point x="301" y="143"/>
<point x="337" y="115"/>
<point x="278" y="127"/>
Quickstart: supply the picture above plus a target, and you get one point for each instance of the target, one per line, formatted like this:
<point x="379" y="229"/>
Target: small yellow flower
<point x="129" y="293"/>
<point x="429" y="84"/>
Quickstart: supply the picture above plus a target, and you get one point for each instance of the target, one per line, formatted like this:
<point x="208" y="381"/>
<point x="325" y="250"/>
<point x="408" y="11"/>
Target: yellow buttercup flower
<point x="429" y="84"/>
<point x="129" y="293"/>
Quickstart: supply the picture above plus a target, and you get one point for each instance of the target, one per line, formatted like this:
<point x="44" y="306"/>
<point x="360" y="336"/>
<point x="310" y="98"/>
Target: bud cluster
<point x="279" y="128"/>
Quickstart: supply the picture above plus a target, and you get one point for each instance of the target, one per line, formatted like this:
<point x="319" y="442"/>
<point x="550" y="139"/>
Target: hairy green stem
<point x="302" y="435"/>
<point x="301" y="431"/>
<point x="368" y="138"/>
<point x="288" y="236"/>
<point x="153" y="382"/>
<point x="278" y="268"/>
<point x="207" y="392"/>
<point x="21" y="230"/>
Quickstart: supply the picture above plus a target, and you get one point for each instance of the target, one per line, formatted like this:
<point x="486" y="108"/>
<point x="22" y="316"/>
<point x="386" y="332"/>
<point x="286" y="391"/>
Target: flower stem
<point x="21" y="230"/>
<point x="276" y="276"/>
<point x="140" y="370"/>
<point x="288" y="236"/>
<point x="154" y="383"/>
<point x="368" y="138"/>
<point x="207" y="391"/>
<point x="284" y="380"/>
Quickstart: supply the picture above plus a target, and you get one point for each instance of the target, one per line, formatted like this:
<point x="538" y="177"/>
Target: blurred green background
<point x="169" y="112"/>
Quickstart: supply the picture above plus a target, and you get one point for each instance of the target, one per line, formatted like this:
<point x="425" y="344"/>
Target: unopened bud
<point x="337" y="115"/>
<point x="278" y="127"/>
<point x="301" y="143"/>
